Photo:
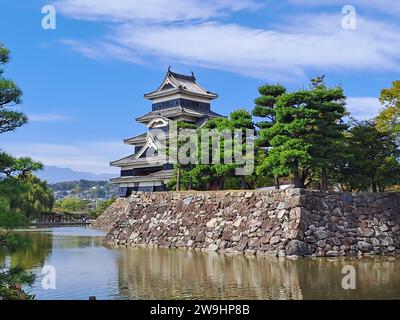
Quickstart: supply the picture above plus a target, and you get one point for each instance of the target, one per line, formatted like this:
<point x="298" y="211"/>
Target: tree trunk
<point x="190" y="183"/>
<point x="296" y="175"/>
<point x="243" y="182"/>
<point x="190" y="179"/>
<point x="221" y="183"/>
<point x="178" y="179"/>
<point x="374" y="187"/>
<point x="324" y="179"/>
<point x="277" y="184"/>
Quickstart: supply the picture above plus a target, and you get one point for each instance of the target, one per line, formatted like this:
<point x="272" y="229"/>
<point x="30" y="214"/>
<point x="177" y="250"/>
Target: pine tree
<point x="10" y="95"/>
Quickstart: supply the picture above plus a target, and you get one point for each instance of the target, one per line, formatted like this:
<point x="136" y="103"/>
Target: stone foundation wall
<point x="112" y="214"/>
<point x="293" y="222"/>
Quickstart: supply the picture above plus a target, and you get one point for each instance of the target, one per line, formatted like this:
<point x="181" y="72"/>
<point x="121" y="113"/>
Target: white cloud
<point x="82" y="156"/>
<point x="49" y="117"/>
<point x="150" y="11"/>
<point x="187" y="32"/>
<point x="103" y="50"/>
<point x="311" y="42"/>
<point x="386" y="6"/>
<point x="364" y="108"/>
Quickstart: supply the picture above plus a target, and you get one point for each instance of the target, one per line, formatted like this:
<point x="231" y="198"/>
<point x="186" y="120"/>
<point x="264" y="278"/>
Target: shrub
<point x="10" y="219"/>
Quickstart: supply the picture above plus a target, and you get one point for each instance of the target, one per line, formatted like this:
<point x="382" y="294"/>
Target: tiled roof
<point x="140" y="138"/>
<point x="124" y="160"/>
<point x="159" y="175"/>
<point x="181" y="83"/>
<point x="176" y="111"/>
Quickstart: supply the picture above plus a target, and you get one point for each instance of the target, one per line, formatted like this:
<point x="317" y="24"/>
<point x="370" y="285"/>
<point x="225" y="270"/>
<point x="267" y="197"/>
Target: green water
<point x="84" y="267"/>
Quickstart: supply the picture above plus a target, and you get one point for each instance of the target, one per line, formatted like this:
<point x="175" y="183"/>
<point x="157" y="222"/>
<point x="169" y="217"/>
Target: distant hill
<point x="55" y="174"/>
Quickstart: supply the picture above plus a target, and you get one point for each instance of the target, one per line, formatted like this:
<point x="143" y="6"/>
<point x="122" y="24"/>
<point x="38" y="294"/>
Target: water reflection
<point x="176" y="274"/>
<point x="85" y="268"/>
<point x="33" y="254"/>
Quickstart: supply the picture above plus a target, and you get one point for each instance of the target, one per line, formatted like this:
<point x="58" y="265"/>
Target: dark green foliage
<point x="11" y="219"/>
<point x="36" y="196"/>
<point x="373" y="164"/>
<point x="101" y="207"/>
<point x="11" y="281"/>
<point x="10" y="95"/>
<point x="71" y="205"/>
<point x="304" y="132"/>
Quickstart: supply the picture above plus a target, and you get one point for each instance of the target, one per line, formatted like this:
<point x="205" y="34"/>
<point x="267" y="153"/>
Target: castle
<point x="178" y="98"/>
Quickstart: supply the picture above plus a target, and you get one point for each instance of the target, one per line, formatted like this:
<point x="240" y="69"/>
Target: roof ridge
<point x="181" y="76"/>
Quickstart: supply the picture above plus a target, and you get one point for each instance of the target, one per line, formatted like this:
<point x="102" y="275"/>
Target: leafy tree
<point x="265" y="109"/>
<point x="181" y="125"/>
<point x="305" y="134"/>
<point x="239" y="121"/>
<point x="11" y="219"/>
<point x="71" y="204"/>
<point x="373" y="164"/>
<point x="10" y="95"/>
<point x="36" y="196"/>
<point x="327" y="137"/>
<point x="101" y="207"/>
<point x="389" y="118"/>
<point x="20" y="167"/>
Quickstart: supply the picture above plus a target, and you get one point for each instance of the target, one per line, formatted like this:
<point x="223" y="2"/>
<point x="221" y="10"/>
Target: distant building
<point x="178" y="98"/>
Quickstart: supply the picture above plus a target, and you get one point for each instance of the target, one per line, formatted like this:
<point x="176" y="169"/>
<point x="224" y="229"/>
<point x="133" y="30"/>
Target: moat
<point x="84" y="267"/>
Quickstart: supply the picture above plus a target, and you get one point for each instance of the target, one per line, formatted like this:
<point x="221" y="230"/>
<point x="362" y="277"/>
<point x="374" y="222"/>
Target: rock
<point x="189" y="243"/>
<point x="312" y="227"/>
<point x="347" y="198"/>
<point x="387" y="241"/>
<point x="200" y="237"/>
<point x="332" y="253"/>
<point x="211" y="223"/>
<point x="237" y="223"/>
<point x="365" y="232"/>
<point x="322" y="234"/>
<point x="383" y="228"/>
<point x="275" y="240"/>
<point x="226" y="235"/>
<point x="280" y="206"/>
<point x="334" y="241"/>
<point x="297" y="248"/>
<point x="310" y="239"/>
<point x="321" y="243"/>
<point x="236" y="238"/>
<point x="242" y="245"/>
<point x="264" y="240"/>
<point x="187" y="200"/>
<point x="364" y="246"/>
<point x="281" y="213"/>
<point x="212" y="247"/>
<point x="259" y="204"/>
<point x="375" y="242"/>
<point x="249" y="194"/>
<point x="295" y="213"/>
<point x="348" y="240"/>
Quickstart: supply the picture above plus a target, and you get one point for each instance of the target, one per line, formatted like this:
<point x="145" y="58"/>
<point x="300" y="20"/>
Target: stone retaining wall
<point x="293" y="222"/>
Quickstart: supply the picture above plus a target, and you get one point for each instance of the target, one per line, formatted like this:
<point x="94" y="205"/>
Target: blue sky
<point x="84" y="82"/>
